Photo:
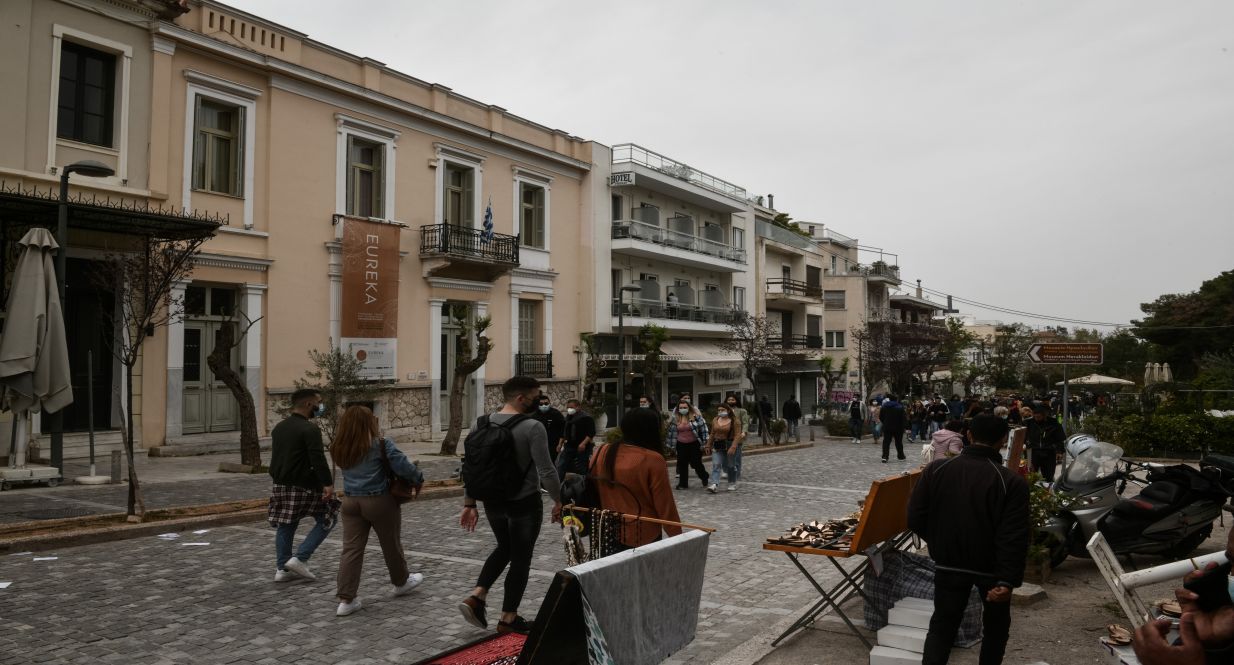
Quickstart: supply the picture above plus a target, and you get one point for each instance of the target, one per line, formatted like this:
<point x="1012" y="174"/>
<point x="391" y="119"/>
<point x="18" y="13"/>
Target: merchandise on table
<point x="829" y="534"/>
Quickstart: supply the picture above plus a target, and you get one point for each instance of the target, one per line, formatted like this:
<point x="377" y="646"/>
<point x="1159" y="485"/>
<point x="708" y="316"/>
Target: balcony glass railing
<point x="793" y="287"/>
<point x="629" y="153"/>
<point x="656" y="309"/>
<point x="462" y="241"/>
<point x="838" y="238"/>
<point x="636" y="230"/>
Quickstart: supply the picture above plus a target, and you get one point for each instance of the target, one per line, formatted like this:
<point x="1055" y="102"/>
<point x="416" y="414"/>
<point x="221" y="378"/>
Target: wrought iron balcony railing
<point x="539" y="365"/>
<point x="795" y="341"/>
<point x="793" y="287"/>
<point x="467" y="242"/>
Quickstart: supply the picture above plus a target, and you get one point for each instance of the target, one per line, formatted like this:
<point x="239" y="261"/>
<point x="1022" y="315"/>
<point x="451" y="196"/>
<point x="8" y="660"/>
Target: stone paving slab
<point x="150" y="601"/>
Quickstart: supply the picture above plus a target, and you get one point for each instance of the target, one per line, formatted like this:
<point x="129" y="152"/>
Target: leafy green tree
<point x="831" y="375"/>
<point x="337" y="375"/>
<point x="1008" y="355"/>
<point x="1182" y="327"/>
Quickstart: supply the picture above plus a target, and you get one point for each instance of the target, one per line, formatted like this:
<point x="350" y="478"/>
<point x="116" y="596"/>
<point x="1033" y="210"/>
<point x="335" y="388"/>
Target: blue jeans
<point x="284" y="534"/>
<point x="854" y="427"/>
<point x="792" y="428"/>
<point x="916" y="433"/>
<point x="935" y="426"/>
<point x="723" y="462"/>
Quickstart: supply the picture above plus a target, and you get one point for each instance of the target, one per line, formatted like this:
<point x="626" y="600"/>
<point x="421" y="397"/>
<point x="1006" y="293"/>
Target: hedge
<point x="1159" y="435"/>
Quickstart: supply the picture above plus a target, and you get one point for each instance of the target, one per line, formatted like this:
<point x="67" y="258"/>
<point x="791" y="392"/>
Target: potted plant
<point x="1042" y="504"/>
<point x="776" y="429"/>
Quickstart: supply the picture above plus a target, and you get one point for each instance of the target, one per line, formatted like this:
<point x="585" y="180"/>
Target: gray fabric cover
<point x="34" y="355"/>
<point x="646" y="600"/>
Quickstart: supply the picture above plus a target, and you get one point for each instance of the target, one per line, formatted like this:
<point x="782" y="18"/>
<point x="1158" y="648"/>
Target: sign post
<point x="1066" y="353"/>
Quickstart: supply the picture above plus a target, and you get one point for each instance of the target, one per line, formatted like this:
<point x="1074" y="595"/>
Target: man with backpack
<point x="577" y="441"/>
<point x="505" y="462"/>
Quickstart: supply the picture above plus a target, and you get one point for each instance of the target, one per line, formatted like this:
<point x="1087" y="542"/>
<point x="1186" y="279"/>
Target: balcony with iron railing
<point x="783" y="288"/>
<point x="647" y="240"/>
<point x="795" y="343"/>
<point x="630" y="153"/>
<point x="467" y="253"/>
<point x="903" y="327"/>
<point x="539" y="365"/>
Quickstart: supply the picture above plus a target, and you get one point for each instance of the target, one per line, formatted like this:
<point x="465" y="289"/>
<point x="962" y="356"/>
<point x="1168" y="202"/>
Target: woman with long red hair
<point x="367" y="459"/>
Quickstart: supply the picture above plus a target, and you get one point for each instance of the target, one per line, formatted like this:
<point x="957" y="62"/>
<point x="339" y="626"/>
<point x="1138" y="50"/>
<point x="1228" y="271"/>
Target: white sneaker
<point x="712" y="488"/>
<point x="300" y="568"/>
<point x="412" y="582"/>
<point x="284" y="576"/>
<point x="732" y="487"/>
<point x="348" y="608"/>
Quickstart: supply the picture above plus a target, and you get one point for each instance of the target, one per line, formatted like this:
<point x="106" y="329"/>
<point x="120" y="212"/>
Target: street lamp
<point x="92" y="169"/>
<point x="621" y="346"/>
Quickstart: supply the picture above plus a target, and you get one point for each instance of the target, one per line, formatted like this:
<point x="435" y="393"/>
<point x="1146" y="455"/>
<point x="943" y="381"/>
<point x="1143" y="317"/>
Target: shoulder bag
<point x="400" y="488"/>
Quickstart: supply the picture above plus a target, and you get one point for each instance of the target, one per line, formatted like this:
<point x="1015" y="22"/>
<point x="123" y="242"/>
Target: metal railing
<point x="468" y="242"/>
<point x="882" y="270"/>
<point x="655" y="309"/>
<point x="636" y="230"/>
<point x="838" y="238"/>
<point x="783" y="235"/>
<point x="892" y="315"/>
<point x="635" y="154"/>
<point x="793" y="287"/>
<point x="539" y="365"/>
<point x="795" y="341"/>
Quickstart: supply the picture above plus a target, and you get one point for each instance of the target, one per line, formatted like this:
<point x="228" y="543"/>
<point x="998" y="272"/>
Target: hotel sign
<point x="621" y="179"/>
<point x="369" y="329"/>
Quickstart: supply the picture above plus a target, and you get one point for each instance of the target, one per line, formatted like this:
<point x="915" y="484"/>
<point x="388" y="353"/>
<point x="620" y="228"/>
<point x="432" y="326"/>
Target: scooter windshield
<point x="1095" y="461"/>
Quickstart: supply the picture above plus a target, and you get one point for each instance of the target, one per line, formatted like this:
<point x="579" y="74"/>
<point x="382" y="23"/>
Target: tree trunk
<point x="219" y="361"/>
<point x="136" y="505"/>
<point x="449" y="444"/>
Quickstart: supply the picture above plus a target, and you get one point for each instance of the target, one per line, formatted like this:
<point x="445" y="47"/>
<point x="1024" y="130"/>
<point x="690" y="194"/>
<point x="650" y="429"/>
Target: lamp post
<point x="621" y="347"/>
<point x="92" y="169"/>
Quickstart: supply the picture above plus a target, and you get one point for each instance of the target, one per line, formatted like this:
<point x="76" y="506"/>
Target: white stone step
<point x="915" y="604"/>
<point x="881" y="655"/>
<point x="901" y="637"/>
<point x="909" y="617"/>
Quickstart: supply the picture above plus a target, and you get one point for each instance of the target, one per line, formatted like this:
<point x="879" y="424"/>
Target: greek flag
<point x="487" y="235"/>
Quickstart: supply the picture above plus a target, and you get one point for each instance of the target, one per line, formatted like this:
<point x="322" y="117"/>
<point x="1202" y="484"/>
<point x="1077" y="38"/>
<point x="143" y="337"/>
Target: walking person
<point x="505" y="441"/>
<point x="876" y="424"/>
<point x="303" y="486"/>
<point x="722" y="446"/>
<point x="948" y="441"/>
<point x="895" y="421"/>
<point x="554" y="424"/>
<point x="686" y="433"/>
<point x="856" y="409"/>
<point x="939" y="413"/>
<point x="578" y="439"/>
<point x="366" y="459"/>
<point x="743" y="421"/>
<point x="916" y="421"/>
<point x="630" y="480"/>
<point x="1044" y="442"/>
<point x="973" y="513"/>
<point x="792" y="413"/>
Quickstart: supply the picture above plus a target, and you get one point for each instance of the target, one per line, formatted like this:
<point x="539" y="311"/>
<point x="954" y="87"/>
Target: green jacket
<point x="297" y="457"/>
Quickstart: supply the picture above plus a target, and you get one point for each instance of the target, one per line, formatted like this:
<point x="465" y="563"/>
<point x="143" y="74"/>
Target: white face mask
<point x="722" y="414"/>
<point x="683" y="411"/>
<point x="544" y="408"/>
<point x="571" y="411"/>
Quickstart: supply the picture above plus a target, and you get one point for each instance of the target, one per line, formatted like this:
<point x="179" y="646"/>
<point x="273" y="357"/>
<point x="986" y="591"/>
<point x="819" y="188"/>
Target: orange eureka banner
<point x="370" y="296"/>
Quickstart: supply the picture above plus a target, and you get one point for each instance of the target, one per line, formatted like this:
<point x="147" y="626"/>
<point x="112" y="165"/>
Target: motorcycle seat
<point x="1159" y="497"/>
<point x="1223" y="462"/>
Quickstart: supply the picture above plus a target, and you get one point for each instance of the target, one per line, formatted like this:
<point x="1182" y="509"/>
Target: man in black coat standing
<point x="1044" y="441"/>
<point x="973" y="513"/>
<point x="792" y="413"/>
<point x="554" y="423"/>
<point x="895" y="420"/>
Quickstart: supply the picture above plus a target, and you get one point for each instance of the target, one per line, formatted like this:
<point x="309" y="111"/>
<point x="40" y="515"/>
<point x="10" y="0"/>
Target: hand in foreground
<point x="555" y="518"/>
<point x="327" y="492"/>
<point x="469" y="518"/>
<point x="1152" y="648"/>
<point x="999" y="594"/>
<point x="415" y="490"/>
<point x="1214" y="629"/>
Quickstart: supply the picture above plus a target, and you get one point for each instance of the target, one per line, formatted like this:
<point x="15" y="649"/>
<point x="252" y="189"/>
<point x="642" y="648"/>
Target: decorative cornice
<point x="161" y="44"/>
<point x="532" y="273"/>
<point x="345" y="121"/>
<point x="237" y="262"/>
<point x="451" y="152"/>
<point x="527" y="174"/>
<point x="460" y="284"/>
<point x="221" y="84"/>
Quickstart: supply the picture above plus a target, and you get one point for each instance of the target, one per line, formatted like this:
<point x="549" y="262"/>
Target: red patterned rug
<point x="493" y="650"/>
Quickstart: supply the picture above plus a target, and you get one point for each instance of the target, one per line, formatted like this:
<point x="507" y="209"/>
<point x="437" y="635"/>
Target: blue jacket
<point x="697" y="424"/>
<point x="368" y="478"/>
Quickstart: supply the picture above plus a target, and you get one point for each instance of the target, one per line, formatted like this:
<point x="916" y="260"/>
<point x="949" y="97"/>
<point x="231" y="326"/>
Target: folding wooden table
<point x="882" y="527"/>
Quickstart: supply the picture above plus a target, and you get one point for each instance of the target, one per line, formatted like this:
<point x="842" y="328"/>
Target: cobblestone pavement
<point x="150" y="601"/>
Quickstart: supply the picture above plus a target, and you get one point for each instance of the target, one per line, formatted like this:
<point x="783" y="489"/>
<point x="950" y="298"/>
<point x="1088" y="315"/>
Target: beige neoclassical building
<point x="357" y="203"/>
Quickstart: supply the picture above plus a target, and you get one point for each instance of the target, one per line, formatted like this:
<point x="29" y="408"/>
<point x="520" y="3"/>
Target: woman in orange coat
<point x="632" y="479"/>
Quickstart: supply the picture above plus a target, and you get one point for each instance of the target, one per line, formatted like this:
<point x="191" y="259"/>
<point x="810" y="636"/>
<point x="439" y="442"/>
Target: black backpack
<point x="490" y="465"/>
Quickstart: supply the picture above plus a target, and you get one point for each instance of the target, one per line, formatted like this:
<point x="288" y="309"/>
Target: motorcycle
<point x="1171" y="516"/>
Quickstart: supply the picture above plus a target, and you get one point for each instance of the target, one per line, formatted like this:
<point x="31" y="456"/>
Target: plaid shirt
<point x="290" y="504"/>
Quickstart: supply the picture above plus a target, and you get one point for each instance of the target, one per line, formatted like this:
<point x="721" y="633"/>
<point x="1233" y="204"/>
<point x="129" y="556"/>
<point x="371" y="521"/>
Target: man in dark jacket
<point x="895" y="420"/>
<point x="856" y="417"/>
<point x="792" y="413"/>
<point x="554" y="423"/>
<point x="973" y="513"/>
<point x="766" y="413"/>
<point x="577" y="440"/>
<point x="303" y="486"/>
<point x="1044" y="441"/>
<point x="939" y="413"/>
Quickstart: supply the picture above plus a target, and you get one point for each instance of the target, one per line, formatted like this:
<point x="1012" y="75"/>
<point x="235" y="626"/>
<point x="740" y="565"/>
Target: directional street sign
<point x="1067" y="353"/>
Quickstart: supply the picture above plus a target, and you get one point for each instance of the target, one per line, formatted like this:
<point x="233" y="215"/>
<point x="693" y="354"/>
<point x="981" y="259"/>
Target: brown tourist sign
<point x="1065" y="353"/>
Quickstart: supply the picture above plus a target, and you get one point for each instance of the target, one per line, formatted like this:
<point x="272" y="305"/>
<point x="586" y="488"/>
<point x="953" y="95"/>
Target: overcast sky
<point x="1066" y="158"/>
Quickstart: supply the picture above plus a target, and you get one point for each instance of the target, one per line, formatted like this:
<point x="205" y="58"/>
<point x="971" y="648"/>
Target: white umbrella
<point x="1150" y="377"/>
<point x="34" y="356"/>
<point x="1167" y="375"/>
<point x="1097" y="380"/>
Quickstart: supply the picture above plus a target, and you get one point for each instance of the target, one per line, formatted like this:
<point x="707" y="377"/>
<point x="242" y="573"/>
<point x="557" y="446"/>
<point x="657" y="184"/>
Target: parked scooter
<point x="1171" y="516"/>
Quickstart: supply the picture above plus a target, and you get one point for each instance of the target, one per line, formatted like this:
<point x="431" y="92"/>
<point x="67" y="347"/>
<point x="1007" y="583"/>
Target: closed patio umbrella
<point x="1167" y="374"/>
<point x="1097" y="380"/>
<point x="34" y="357"/>
<point x="1150" y="376"/>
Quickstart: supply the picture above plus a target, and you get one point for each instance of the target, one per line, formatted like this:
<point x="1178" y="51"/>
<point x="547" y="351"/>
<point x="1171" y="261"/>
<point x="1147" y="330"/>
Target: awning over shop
<point x="700" y="355"/>
<point x="24" y="207"/>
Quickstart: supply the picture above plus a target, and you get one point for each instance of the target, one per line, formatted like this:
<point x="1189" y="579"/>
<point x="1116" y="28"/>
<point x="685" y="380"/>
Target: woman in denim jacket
<point x="687" y="432"/>
<point x="357" y="450"/>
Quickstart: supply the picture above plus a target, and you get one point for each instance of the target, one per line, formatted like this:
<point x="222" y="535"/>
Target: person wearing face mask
<point x="577" y="440"/>
<point x="743" y="420"/>
<point x="303" y="486"/>
<point x="687" y="430"/>
<point x="644" y="402"/>
<point x="722" y="446"/>
<point x="554" y="423"/>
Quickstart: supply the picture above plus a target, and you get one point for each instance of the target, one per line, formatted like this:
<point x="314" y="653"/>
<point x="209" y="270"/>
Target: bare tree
<point x="464" y="366"/>
<point x="219" y="362"/>
<point x="831" y="375"/>
<point x="143" y="281"/>
<point x="748" y="339"/>
<point x="339" y="378"/>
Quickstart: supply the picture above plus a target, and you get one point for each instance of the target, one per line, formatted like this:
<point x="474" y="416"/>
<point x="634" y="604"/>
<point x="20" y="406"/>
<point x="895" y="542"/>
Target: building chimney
<point x="771" y="201"/>
<point x="918" y="288"/>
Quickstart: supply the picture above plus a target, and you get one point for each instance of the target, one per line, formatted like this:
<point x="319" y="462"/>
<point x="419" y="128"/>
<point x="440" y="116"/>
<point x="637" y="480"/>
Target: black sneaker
<point x="884" y="460"/>
<point x="472" y="609"/>
<point x="901" y="457"/>
<point x="518" y="625"/>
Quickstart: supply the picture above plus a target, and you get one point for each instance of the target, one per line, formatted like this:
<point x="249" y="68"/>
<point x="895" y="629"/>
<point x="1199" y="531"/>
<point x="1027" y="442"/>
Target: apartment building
<point x="679" y="240"/>
<point x="361" y="208"/>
